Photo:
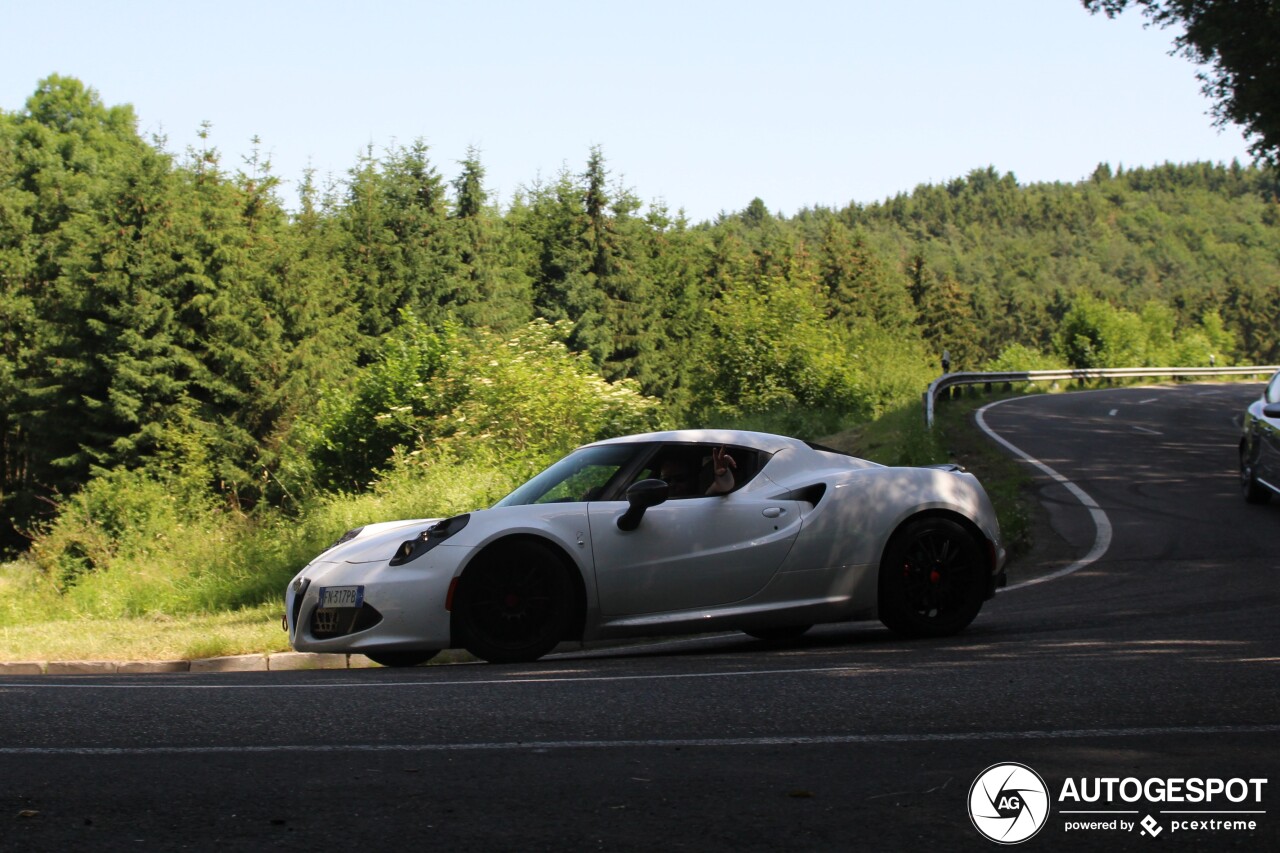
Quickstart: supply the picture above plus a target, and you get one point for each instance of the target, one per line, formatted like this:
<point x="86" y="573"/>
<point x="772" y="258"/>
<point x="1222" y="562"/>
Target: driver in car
<point x="681" y="474"/>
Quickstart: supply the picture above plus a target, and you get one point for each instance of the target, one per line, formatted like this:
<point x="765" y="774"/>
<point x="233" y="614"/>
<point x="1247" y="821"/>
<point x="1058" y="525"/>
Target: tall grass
<point x="165" y="557"/>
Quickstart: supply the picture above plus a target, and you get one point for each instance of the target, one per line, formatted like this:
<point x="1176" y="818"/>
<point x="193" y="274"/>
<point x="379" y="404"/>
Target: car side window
<point x="585" y="485"/>
<point x="1273" y="390"/>
<point x="583" y="475"/>
<point x="689" y="472"/>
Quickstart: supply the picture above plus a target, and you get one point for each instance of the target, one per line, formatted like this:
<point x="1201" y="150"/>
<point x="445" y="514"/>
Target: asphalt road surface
<point x="1147" y="653"/>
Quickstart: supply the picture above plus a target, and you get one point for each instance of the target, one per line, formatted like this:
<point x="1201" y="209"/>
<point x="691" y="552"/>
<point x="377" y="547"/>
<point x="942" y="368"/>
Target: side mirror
<point x="641" y="496"/>
<point x="1271" y="410"/>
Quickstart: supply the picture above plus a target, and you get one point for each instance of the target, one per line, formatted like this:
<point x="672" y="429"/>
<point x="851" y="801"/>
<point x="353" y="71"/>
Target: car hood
<point x="376" y="543"/>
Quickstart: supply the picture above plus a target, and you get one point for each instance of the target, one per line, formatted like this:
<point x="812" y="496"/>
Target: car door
<point x="1267" y="433"/>
<point x="687" y="554"/>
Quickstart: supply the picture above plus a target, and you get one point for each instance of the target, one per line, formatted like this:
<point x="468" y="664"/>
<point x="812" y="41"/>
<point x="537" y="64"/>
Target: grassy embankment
<point x="37" y="623"/>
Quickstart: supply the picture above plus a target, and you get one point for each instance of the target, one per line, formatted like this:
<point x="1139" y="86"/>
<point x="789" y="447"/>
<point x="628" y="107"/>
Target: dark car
<point x="1260" y="446"/>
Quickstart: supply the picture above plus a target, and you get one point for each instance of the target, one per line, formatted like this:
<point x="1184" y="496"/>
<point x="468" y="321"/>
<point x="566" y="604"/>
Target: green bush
<point x="126" y="543"/>
<point x="126" y="546"/>
<point x="1096" y="334"/>
<point x="527" y="397"/>
<point x="356" y="430"/>
<point x="774" y="356"/>
<point x="769" y="351"/>
<point x="470" y="395"/>
<point x="1016" y="358"/>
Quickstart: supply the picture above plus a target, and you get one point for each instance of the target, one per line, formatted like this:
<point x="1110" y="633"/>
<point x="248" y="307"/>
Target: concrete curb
<point x="81" y="667"/>
<point x="277" y="662"/>
<point x="21" y="668"/>
<point x="231" y="663"/>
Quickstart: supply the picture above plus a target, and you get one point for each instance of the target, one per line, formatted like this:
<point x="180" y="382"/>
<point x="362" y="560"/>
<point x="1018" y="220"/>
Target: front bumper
<point x="403" y="606"/>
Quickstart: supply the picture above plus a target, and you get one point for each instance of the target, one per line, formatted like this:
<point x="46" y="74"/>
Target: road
<point x="1153" y="657"/>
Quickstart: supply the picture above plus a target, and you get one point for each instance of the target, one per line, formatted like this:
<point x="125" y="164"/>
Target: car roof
<point x="763" y="441"/>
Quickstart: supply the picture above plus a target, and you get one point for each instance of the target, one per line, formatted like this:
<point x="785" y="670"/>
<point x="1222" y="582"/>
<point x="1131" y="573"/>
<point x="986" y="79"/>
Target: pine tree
<point x="553" y="219"/>
<point x="491" y="269"/>
<point x="397" y="247"/>
<point x="944" y="314"/>
<point x="19" y="323"/>
<point x="84" y="181"/>
<point x="858" y="284"/>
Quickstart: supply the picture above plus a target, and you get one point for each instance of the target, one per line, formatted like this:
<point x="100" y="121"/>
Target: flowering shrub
<point x="471" y="394"/>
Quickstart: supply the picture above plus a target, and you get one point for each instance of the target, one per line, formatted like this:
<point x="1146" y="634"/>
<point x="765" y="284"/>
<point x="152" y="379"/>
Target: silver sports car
<point x="659" y="534"/>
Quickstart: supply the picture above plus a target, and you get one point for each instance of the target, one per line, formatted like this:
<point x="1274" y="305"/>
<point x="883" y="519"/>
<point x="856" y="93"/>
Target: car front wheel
<point x="1254" y="492"/>
<point x="515" y="604"/>
<point x="932" y="579"/>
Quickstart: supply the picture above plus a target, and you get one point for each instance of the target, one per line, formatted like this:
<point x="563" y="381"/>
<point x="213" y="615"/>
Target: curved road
<point x="1154" y="657"/>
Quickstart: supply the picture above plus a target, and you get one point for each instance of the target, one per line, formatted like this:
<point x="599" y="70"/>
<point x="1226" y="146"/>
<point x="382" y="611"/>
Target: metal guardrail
<point x="953" y="380"/>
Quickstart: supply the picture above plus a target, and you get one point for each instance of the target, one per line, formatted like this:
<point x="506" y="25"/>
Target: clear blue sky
<point x="702" y="105"/>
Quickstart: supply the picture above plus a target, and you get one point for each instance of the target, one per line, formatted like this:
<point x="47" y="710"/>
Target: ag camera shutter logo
<point x="1008" y="803"/>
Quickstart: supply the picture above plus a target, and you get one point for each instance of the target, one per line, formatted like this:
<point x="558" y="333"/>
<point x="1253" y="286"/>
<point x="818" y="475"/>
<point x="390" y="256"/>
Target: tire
<point x="775" y="635"/>
<point x="933" y="579"/>
<point x="515" y="604"/>
<point x="1254" y="492"/>
<point x="401" y="659"/>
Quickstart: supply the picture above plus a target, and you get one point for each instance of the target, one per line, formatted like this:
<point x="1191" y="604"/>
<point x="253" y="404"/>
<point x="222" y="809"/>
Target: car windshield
<point x="580" y="476"/>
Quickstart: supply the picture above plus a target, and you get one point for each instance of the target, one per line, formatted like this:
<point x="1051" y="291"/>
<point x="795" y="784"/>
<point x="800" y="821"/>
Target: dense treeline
<point x="166" y="314"/>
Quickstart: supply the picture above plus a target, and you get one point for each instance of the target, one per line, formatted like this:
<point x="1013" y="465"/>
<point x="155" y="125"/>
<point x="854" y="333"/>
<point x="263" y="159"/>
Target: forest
<point x="186" y="354"/>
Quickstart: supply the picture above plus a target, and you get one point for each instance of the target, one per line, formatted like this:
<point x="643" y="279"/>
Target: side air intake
<point x="807" y="494"/>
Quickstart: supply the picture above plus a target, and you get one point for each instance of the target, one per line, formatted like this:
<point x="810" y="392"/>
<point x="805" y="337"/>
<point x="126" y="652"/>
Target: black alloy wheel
<point x="515" y="604"/>
<point x="932" y="579"/>
<point x="1254" y="491"/>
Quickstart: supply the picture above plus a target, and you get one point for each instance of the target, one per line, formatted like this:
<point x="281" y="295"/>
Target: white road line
<point x="1102" y="524"/>
<point x="1137" y="428"/>
<point x="517" y="678"/>
<point x="648" y="743"/>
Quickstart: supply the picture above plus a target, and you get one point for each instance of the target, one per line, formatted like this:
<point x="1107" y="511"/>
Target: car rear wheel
<point x="784" y="632"/>
<point x="398" y="659"/>
<point x="932" y="579"/>
<point x="515" y="604"/>
<point x="1254" y="492"/>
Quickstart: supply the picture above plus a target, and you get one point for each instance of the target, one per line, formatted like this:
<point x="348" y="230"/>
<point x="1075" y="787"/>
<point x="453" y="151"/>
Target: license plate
<point x="341" y="596"/>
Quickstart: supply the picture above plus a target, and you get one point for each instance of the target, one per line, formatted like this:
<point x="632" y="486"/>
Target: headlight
<point x="412" y="549"/>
